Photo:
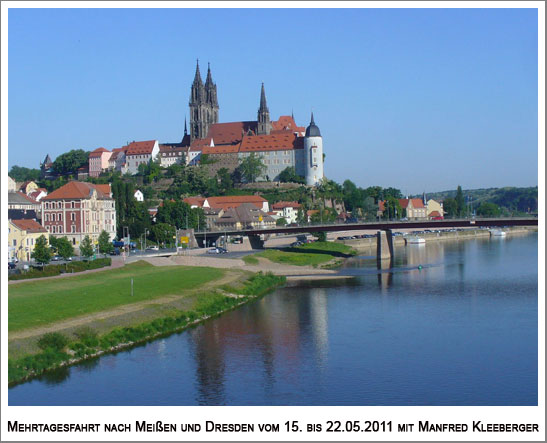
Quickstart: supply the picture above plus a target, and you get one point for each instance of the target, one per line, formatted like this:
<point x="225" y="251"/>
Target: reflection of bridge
<point x="258" y="236"/>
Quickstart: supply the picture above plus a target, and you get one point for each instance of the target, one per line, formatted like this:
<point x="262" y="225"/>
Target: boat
<point x="497" y="233"/>
<point x="415" y="240"/>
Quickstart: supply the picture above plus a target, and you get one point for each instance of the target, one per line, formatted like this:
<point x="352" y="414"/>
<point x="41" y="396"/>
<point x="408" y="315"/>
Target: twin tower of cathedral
<point x="204" y="107"/>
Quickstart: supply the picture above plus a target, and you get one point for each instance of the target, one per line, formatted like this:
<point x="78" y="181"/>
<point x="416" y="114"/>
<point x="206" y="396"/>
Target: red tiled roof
<point x="97" y="152"/>
<point x="135" y="148"/>
<point x="105" y="189"/>
<point x="403" y="202"/>
<point x="230" y="133"/>
<point x="381" y="205"/>
<point x="281" y="205"/>
<point x="29" y="225"/>
<point x="169" y="148"/>
<point x="274" y="142"/>
<point x="435" y="214"/>
<point x="235" y="201"/>
<point x="286" y="123"/>
<point x="194" y="201"/>
<point x="223" y="149"/>
<point x="310" y="212"/>
<point x="77" y="190"/>
<point x="417" y="203"/>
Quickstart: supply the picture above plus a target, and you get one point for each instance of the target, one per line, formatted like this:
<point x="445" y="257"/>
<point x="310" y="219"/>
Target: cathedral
<point x="281" y="143"/>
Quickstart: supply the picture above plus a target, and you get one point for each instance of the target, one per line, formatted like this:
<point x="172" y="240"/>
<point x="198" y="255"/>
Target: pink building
<point x="98" y="161"/>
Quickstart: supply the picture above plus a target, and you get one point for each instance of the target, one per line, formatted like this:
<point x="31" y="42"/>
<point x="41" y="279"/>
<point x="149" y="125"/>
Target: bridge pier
<point x="384" y="245"/>
<point x="257" y="242"/>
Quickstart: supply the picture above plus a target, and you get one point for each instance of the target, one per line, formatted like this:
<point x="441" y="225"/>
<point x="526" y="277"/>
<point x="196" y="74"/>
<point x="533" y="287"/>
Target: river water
<point x="451" y="323"/>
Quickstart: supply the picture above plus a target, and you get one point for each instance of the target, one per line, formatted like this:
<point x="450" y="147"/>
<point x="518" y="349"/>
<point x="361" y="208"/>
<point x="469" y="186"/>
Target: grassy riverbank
<point x="58" y="349"/>
<point x="32" y="304"/>
<point x="309" y="254"/>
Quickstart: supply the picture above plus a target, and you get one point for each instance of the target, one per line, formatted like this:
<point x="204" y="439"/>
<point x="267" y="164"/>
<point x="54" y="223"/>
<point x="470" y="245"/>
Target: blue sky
<point x="417" y="99"/>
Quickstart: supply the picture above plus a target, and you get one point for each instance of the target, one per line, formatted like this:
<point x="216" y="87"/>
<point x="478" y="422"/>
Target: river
<point x="451" y="323"/>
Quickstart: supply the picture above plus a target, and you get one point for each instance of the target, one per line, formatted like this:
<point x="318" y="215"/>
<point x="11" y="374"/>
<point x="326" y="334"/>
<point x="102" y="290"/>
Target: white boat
<point x="415" y="240"/>
<point x="497" y="233"/>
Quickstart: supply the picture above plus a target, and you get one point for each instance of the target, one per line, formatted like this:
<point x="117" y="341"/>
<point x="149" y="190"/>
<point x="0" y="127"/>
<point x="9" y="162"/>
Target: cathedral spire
<point x="185" y="128"/>
<point x="209" y="80"/>
<point x="197" y="77"/>
<point x="263" y="105"/>
<point x="263" y="121"/>
<point x="312" y="122"/>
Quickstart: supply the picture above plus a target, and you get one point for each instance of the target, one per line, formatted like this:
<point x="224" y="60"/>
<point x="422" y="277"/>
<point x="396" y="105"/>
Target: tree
<point x="252" y="167"/>
<point x="321" y="235"/>
<point x="162" y="233"/>
<point x="86" y="247"/>
<point x="393" y="209"/>
<point x="301" y="217"/>
<point x="22" y="174"/>
<point x="281" y="221"/>
<point x="450" y="207"/>
<point x="370" y="209"/>
<point x="487" y="209"/>
<point x="70" y="161"/>
<point x="41" y="253"/>
<point x="64" y="248"/>
<point x="460" y="202"/>
<point x="225" y="179"/>
<point x="289" y="175"/>
<point x="53" y="243"/>
<point x="105" y="245"/>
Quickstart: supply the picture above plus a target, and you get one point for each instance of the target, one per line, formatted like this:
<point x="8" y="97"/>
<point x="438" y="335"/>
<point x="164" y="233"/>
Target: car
<point x="56" y="258"/>
<point x="237" y="240"/>
<point x="213" y="251"/>
<point x="152" y="248"/>
<point x="11" y="265"/>
<point x="296" y="244"/>
<point x="115" y="251"/>
<point x="221" y="250"/>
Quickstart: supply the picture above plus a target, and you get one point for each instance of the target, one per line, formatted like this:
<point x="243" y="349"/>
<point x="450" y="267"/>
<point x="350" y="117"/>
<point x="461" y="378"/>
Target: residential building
<point x="99" y="161"/>
<point x="434" y="210"/>
<point x="28" y="186"/>
<point x="137" y="153"/>
<point x="22" y="236"/>
<point x="228" y="202"/>
<point x="19" y="214"/>
<point x="116" y="162"/>
<point x="37" y="194"/>
<point x="287" y="210"/>
<point x="172" y="155"/>
<point x="18" y="200"/>
<point x="12" y="186"/>
<point x="139" y="196"/>
<point x="78" y="209"/>
<point x="415" y="208"/>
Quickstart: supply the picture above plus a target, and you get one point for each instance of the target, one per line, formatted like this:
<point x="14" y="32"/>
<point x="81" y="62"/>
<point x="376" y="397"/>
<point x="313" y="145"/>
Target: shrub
<point x="87" y="336"/>
<point x="52" y="340"/>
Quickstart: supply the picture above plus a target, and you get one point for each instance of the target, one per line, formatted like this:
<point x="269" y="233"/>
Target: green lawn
<point x="308" y="254"/>
<point x="32" y="304"/>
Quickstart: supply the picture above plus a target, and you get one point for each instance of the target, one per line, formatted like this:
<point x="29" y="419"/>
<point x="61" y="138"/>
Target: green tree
<point x="105" y="245"/>
<point x="487" y="209"/>
<point x="281" y="221"/>
<point x="162" y="233"/>
<point x="41" y="253"/>
<point x="226" y="182"/>
<point x="370" y="209"/>
<point x="460" y="202"/>
<point x="69" y="162"/>
<point x="22" y="174"/>
<point x="301" y="217"/>
<point x="289" y="175"/>
<point x="53" y="244"/>
<point x="86" y="247"/>
<point x="393" y="209"/>
<point x="252" y="167"/>
<point x="64" y="248"/>
<point x="321" y="235"/>
<point x="450" y="207"/>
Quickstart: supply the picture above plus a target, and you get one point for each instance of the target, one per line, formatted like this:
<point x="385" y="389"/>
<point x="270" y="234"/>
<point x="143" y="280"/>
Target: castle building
<point x="279" y="143"/>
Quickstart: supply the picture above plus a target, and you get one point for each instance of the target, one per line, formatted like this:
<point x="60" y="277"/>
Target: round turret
<point x="313" y="130"/>
<point x="313" y="154"/>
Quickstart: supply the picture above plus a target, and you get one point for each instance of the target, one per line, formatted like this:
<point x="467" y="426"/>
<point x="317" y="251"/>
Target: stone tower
<point x="264" y="126"/>
<point x="313" y="154"/>
<point x="203" y="105"/>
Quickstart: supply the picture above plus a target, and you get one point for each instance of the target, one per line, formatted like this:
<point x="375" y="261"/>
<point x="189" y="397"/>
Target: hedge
<point x="52" y="270"/>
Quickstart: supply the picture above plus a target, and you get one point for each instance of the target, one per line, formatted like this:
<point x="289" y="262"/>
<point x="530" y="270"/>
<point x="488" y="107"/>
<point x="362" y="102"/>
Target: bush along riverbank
<point x="69" y="268"/>
<point x="58" y="350"/>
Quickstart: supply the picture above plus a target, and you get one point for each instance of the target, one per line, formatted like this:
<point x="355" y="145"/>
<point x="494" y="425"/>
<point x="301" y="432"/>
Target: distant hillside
<point x="513" y="199"/>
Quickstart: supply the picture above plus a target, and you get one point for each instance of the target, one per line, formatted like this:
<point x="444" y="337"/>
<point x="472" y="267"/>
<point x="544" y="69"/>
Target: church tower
<point x="203" y="105"/>
<point x="264" y="126"/>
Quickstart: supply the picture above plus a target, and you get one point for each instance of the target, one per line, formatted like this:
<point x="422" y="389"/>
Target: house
<point x="172" y="155"/>
<point x="99" y="161"/>
<point x="138" y="153"/>
<point x="287" y="210"/>
<point x="27" y="187"/>
<point x="18" y="200"/>
<point x="37" y="194"/>
<point x="116" y="162"/>
<point x="12" y="186"/>
<point x="434" y="210"/>
<point x="19" y="214"/>
<point x="244" y="216"/>
<point x="139" y="196"/>
<point x="78" y="209"/>
<point x="22" y="236"/>
<point x="415" y="208"/>
<point x="228" y="202"/>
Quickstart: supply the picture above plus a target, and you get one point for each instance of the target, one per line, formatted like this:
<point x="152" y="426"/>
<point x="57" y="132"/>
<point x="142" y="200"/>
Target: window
<point x="60" y="217"/>
<point x="73" y="240"/>
<point x="60" y="229"/>
<point x="52" y="217"/>
<point x="47" y="217"/>
<point x="73" y="216"/>
<point x="73" y="205"/>
<point x="14" y="242"/>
